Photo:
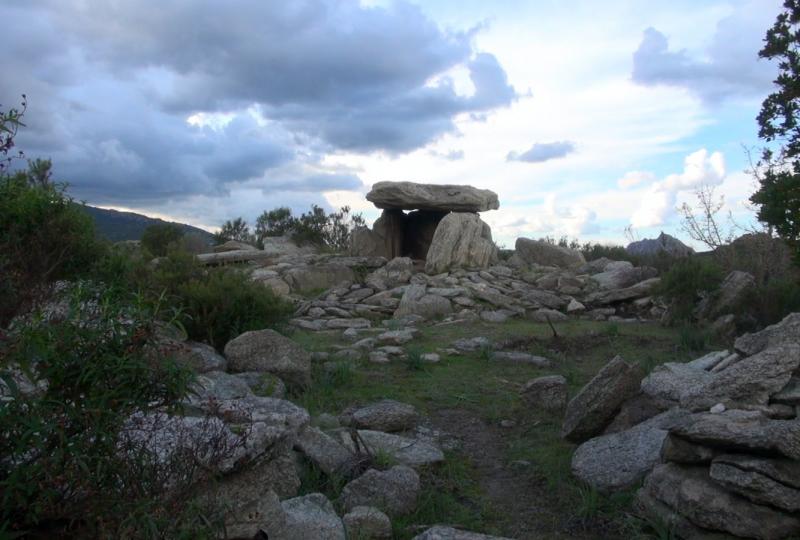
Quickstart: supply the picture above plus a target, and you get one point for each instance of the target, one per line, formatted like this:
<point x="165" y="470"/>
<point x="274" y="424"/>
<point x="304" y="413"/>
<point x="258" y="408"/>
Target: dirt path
<point x="522" y="504"/>
<point x="513" y="495"/>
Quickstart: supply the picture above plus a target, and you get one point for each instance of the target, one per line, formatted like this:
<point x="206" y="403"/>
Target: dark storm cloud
<point x="729" y="67"/>
<point x="111" y="85"/>
<point x="540" y="152"/>
<point x="357" y="77"/>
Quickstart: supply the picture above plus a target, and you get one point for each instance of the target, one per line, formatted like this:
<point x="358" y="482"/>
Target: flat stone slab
<point x="407" y="451"/>
<point x="440" y="532"/>
<point x="445" y="198"/>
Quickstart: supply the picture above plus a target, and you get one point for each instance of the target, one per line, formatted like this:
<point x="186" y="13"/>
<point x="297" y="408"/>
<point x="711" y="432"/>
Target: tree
<point x="778" y="196"/>
<point x="340" y="225"/>
<point x="277" y="222"/>
<point x="236" y="229"/>
<point x="159" y="238"/>
<point x="311" y="227"/>
<point x="702" y="223"/>
<point x="10" y="122"/>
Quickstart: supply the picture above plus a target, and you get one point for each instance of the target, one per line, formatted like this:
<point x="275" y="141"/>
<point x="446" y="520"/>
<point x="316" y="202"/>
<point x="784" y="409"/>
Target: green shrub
<point x="159" y="238"/>
<point x="768" y="304"/>
<point x="63" y="464"/>
<point x="414" y="361"/>
<point x="682" y="284"/>
<point x="223" y="303"/>
<point x="44" y="237"/>
<point x="592" y="251"/>
<point x="692" y="338"/>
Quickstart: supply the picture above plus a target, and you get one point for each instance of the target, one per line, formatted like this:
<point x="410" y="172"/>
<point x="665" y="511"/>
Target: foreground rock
<point x="387" y="415"/>
<point x="597" y="402"/>
<point x="367" y="523"/>
<point x="449" y="533"/>
<point x="690" y="492"/>
<point x="742" y="431"/>
<point x="725" y="457"/>
<point x="621" y="460"/>
<point x="311" y="516"/>
<point x="546" y="393"/>
<point x="405" y="450"/>
<point x="268" y="351"/>
<point x="394" y="492"/>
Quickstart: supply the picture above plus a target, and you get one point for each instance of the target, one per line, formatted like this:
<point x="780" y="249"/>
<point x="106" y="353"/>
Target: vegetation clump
<point x="71" y="380"/>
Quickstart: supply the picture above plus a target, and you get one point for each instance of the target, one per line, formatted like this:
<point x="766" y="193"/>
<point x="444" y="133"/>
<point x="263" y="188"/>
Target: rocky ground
<point x="402" y="400"/>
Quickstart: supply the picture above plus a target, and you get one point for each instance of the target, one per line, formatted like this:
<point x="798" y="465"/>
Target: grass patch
<point x="449" y="494"/>
<point x="489" y="390"/>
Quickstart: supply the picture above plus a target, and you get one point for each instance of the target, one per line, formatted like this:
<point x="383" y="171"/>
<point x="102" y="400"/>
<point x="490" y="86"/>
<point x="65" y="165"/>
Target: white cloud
<point x="635" y="178"/>
<point x="659" y="201"/>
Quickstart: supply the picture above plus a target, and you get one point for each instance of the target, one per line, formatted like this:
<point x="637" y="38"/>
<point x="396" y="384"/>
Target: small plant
<point x="589" y="502"/>
<point x="486" y="353"/>
<point x="314" y="480"/>
<point x="684" y="282"/>
<point x="266" y="385"/>
<point x="691" y="338"/>
<point x="611" y="330"/>
<point x="413" y="360"/>
<point x="339" y="374"/>
<point x="383" y="459"/>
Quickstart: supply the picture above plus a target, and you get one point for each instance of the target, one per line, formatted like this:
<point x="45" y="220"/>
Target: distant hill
<point x="117" y="226"/>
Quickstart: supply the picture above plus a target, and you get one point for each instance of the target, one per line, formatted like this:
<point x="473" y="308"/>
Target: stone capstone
<point x="447" y="198"/>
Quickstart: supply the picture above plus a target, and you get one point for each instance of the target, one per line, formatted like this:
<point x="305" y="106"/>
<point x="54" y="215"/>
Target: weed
<point x="611" y="330"/>
<point x="692" y="338"/>
<point x="486" y="353"/>
<point x="448" y="495"/>
<point x="314" y="480"/>
<point x="413" y="359"/>
<point x="383" y="459"/>
<point x="590" y="502"/>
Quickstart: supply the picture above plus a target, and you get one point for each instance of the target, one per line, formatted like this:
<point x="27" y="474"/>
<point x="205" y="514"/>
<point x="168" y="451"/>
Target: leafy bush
<point x="44" y="236"/>
<point x="277" y="222"/>
<point x="159" y="238"/>
<point x="592" y="251"/>
<point x="769" y="303"/>
<point x="223" y="303"/>
<point x="327" y="231"/>
<point x="237" y="230"/>
<point x="682" y="285"/>
<point x="64" y="461"/>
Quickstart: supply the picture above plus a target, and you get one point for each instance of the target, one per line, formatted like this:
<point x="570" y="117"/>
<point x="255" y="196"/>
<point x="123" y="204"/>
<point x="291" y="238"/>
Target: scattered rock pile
<point x="251" y="440"/>
<point x="600" y="290"/>
<point x="717" y="440"/>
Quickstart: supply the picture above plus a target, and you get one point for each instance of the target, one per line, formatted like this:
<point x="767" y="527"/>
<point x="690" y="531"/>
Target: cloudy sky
<point x="584" y="119"/>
